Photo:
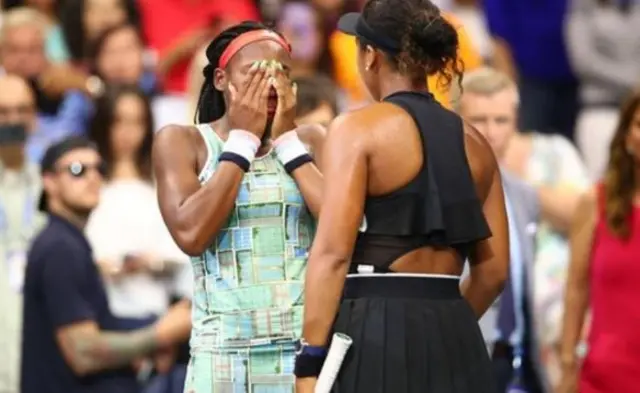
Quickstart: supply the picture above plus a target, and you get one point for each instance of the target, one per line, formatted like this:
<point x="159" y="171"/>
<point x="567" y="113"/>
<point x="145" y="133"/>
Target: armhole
<point x="207" y="134"/>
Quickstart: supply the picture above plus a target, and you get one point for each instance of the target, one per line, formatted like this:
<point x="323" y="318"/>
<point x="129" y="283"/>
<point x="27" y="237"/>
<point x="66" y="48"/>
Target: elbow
<point x="190" y="243"/>
<point x="492" y="278"/>
<point x="328" y="261"/>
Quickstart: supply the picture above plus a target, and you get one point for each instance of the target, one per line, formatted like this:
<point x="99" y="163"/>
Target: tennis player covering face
<point x="410" y="193"/>
<point x="238" y="192"/>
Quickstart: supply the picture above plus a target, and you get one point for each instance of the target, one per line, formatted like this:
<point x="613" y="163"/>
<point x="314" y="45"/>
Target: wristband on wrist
<point x="308" y="366"/>
<point x="240" y="148"/>
<point x="291" y="151"/>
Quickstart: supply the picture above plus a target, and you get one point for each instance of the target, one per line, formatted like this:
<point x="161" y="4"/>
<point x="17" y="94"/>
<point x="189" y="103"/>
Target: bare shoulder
<point x="588" y="201"/>
<point x="312" y="134"/>
<point x="175" y="143"/>
<point x="166" y="139"/>
<point x="369" y="119"/>
<point x="482" y="160"/>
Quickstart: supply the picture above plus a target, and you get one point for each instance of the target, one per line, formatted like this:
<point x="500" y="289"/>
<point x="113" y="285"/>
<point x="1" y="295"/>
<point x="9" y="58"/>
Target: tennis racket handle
<point x="340" y="344"/>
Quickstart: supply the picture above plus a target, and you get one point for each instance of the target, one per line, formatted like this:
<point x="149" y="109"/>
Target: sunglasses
<point x="78" y="169"/>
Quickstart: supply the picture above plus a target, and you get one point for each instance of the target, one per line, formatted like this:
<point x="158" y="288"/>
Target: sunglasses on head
<point x="79" y="169"/>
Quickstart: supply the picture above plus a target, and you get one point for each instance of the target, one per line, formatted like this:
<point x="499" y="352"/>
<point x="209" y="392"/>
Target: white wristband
<point x="289" y="147"/>
<point x="240" y="148"/>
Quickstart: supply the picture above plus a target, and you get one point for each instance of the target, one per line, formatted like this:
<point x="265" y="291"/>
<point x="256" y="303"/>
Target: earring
<point x="367" y="68"/>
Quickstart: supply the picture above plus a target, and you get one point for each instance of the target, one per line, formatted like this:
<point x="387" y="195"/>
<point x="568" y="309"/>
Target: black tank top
<point x="438" y="208"/>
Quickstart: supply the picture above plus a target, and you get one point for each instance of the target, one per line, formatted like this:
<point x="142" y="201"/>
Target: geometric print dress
<point x="248" y="292"/>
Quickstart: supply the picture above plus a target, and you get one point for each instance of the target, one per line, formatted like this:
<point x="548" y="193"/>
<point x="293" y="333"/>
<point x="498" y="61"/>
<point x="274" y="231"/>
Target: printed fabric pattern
<point x="248" y="292"/>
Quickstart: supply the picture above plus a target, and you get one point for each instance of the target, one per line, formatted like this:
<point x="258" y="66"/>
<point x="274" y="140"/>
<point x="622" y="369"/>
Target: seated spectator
<point x="19" y="220"/>
<point x="55" y="46"/>
<point x="62" y="95"/>
<point x="84" y="20"/>
<point x="344" y="49"/>
<point x="603" y="41"/>
<point x="317" y="101"/>
<point x="301" y="23"/>
<point x="550" y="163"/>
<point x="117" y="57"/>
<point x="70" y="338"/>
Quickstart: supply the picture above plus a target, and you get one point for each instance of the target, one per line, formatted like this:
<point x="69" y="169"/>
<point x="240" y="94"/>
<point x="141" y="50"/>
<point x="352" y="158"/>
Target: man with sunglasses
<point x="70" y="343"/>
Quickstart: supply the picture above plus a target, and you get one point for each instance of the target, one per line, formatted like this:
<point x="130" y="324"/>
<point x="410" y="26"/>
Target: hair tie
<point x="207" y="71"/>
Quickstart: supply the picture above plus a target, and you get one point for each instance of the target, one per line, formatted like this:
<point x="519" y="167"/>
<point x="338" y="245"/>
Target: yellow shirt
<point x="343" y="48"/>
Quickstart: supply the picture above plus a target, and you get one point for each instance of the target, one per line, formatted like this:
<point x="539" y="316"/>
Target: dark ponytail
<point x="211" y="105"/>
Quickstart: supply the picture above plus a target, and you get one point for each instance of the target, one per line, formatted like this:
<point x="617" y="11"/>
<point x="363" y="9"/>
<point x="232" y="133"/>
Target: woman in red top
<point x="604" y="274"/>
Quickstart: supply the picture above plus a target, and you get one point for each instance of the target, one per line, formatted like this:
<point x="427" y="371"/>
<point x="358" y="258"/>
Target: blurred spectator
<point x="472" y="18"/>
<point x="529" y="47"/>
<point x="55" y="46"/>
<point x="19" y="178"/>
<point x="22" y="42"/>
<point x="129" y="239"/>
<point x="143" y="267"/>
<point x="510" y="326"/>
<point x="302" y="25"/>
<point x="70" y="339"/>
<point x="604" y="273"/>
<point x="603" y="40"/>
<point x="176" y="29"/>
<point x="62" y="95"/>
<point x="19" y="189"/>
<point x="344" y="50"/>
<point x="84" y="20"/>
<point x="551" y="164"/>
<point x="317" y="101"/>
<point x="117" y="57"/>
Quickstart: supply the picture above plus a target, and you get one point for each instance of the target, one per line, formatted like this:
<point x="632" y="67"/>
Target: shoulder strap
<point x="214" y="146"/>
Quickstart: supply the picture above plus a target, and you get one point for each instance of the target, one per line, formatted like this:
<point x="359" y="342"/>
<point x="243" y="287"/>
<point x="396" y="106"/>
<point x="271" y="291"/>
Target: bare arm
<point x="345" y="172"/>
<point x="560" y="201"/>
<point x="558" y="206"/>
<point x="577" y="290"/>
<point x="193" y="213"/>
<point x="489" y="262"/>
<point x="88" y="350"/>
<point x="308" y="176"/>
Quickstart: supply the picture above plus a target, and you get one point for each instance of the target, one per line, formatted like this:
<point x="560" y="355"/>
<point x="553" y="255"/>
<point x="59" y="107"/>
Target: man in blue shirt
<point x="530" y="45"/>
<point x="70" y="343"/>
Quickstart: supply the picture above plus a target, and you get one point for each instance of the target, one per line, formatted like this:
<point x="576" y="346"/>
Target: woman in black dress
<point x="411" y="193"/>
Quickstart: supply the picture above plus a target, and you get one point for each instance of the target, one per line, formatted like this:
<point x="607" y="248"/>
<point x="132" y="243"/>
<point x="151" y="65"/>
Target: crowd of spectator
<point x="117" y="71"/>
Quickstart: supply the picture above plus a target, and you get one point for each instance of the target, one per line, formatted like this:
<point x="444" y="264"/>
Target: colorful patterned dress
<point x="247" y="304"/>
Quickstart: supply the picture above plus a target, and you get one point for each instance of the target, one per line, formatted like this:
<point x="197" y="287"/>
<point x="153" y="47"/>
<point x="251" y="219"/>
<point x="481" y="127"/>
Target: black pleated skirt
<point x="411" y="334"/>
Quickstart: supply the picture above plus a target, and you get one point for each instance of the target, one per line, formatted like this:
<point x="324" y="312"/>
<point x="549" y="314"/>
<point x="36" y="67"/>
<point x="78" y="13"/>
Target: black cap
<point x="53" y="154"/>
<point x="354" y="24"/>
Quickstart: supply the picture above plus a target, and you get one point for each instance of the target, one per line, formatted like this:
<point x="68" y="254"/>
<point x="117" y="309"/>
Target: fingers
<point x="262" y="93"/>
<point x="286" y="91"/>
<point x="233" y="92"/>
<point x="257" y="73"/>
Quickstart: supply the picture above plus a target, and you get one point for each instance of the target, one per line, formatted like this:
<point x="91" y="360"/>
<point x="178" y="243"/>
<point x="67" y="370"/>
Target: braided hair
<point x="211" y="105"/>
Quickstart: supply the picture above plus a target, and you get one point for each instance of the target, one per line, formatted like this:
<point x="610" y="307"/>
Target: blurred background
<point x="119" y="70"/>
